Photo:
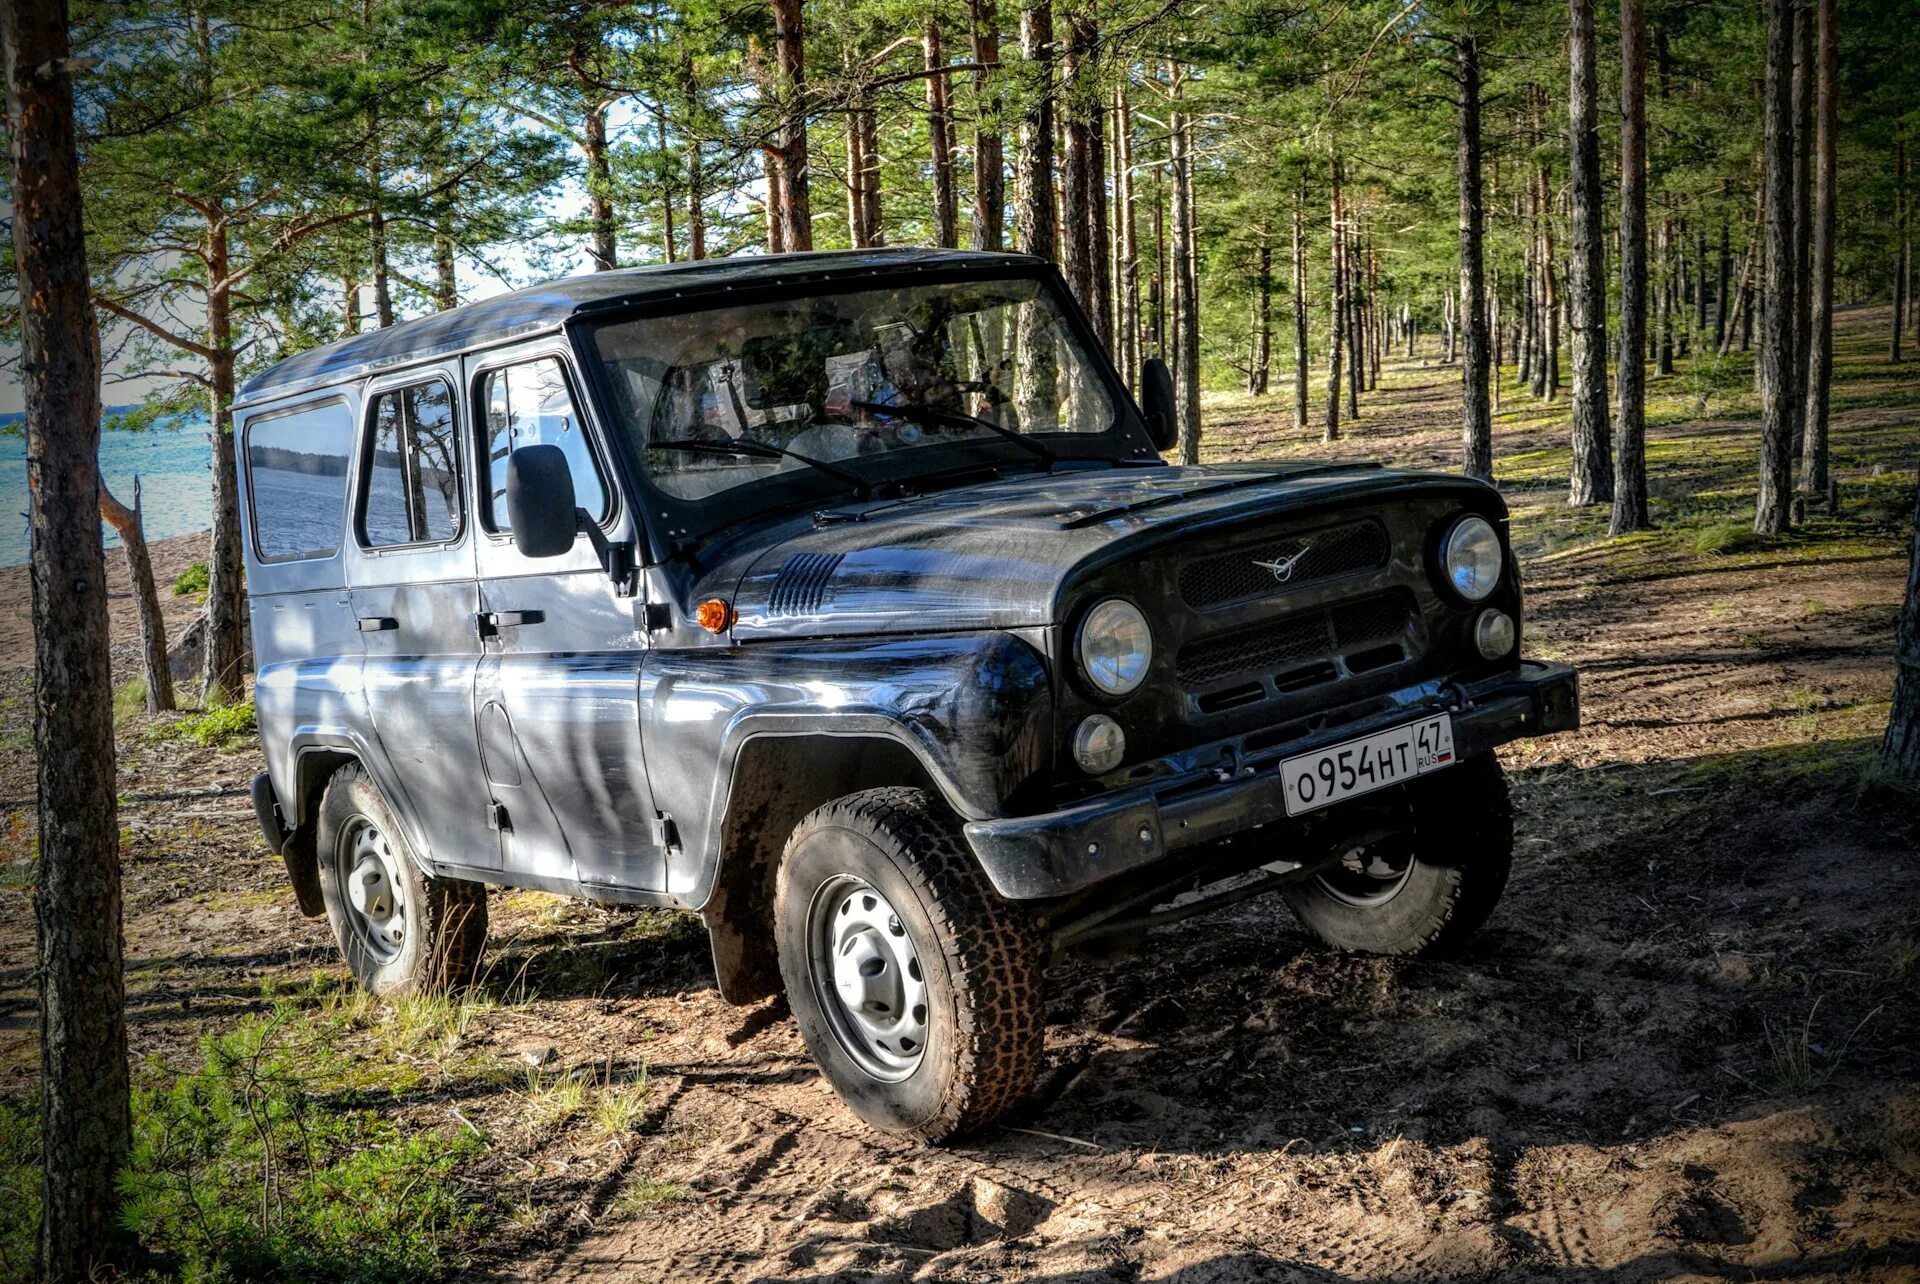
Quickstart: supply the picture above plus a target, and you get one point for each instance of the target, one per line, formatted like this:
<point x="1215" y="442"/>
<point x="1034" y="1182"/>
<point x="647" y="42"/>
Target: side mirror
<point x="1156" y="399"/>
<point x="540" y="506"/>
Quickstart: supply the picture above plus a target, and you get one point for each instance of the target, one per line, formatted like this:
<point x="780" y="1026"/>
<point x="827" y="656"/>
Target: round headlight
<point x="1471" y="557"/>
<point x="1116" y="646"/>
<point x="1099" y="744"/>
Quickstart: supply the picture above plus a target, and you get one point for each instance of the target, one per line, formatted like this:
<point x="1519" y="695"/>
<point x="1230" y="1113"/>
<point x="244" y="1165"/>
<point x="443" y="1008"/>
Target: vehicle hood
<point x="997" y="555"/>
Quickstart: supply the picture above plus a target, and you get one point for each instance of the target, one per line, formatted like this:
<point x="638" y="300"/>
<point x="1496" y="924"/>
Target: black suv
<point x="845" y="599"/>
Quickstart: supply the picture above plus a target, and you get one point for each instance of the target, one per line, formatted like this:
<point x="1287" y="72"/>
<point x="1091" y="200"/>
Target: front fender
<point x="975" y="710"/>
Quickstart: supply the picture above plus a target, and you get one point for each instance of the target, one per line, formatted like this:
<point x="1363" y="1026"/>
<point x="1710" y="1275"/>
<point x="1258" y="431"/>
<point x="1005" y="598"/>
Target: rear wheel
<point x="1428" y="886"/>
<point x="916" y="987"/>
<point x="401" y="931"/>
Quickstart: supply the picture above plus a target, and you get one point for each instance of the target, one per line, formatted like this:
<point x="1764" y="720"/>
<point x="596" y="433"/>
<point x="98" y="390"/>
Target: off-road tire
<point x="1460" y="827"/>
<point x="980" y="957"/>
<point x="446" y="917"/>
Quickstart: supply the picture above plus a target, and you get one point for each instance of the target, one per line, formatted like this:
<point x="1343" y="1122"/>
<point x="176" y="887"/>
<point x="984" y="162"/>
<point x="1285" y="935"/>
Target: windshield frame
<point x="672" y="521"/>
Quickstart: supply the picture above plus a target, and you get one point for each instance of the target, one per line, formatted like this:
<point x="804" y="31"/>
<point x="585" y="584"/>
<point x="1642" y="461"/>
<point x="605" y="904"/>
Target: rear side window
<point x="412" y="492"/>
<point x="297" y="478"/>
<point x="527" y="405"/>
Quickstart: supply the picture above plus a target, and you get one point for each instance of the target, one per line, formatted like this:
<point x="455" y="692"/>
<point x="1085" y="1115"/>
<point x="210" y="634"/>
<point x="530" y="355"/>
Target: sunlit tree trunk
<point x="1033" y="166"/>
<point x="127" y="523"/>
<point x="1630" y="465"/>
<point x="1803" y="88"/>
<point x="946" y="212"/>
<point x="85" y="1130"/>
<point x="1813" y="463"/>
<point x="1127" y="252"/>
<point x="989" y="162"/>
<point x="1592" y="473"/>
<point x="1077" y="175"/>
<point x="605" y="252"/>
<point x="1102" y="227"/>
<point x="1262" y="320"/>
<point x="224" y="658"/>
<point x="1186" y="301"/>
<point x="1476" y="429"/>
<point x="1300" y="308"/>
<point x="794" y="206"/>
<point x="1337" y="327"/>
<point x="1773" y="511"/>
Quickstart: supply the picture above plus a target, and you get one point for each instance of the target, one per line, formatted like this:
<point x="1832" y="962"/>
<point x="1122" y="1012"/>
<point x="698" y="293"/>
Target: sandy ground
<point x="1686" y="1047"/>
<point x="170" y="557"/>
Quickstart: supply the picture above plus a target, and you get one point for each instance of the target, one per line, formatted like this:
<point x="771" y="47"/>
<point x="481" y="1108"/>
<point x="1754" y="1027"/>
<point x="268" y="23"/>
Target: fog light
<point x="1099" y="744"/>
<point x="1493" y="634"/>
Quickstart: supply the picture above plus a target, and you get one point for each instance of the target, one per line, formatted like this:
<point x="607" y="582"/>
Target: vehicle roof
<point x="549" y="306"/>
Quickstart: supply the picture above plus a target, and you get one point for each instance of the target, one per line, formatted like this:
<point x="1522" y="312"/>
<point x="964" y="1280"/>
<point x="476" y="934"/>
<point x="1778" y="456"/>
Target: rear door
<point x="558" y="690"/>
<point x="410" y="568"/>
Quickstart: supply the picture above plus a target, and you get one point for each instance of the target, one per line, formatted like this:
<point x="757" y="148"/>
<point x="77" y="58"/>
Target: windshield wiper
<point x="760" y="450"/>
<point x="934" y="414"/>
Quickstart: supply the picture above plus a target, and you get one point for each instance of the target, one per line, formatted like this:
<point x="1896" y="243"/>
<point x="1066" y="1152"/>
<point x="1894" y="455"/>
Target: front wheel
<point x="1429" y="885"/>
<point x="400" y="931"/>
<point x="916" y="987"/>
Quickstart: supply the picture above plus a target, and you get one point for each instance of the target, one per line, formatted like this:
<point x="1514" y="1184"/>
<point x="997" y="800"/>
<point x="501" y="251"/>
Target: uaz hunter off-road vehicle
<point x="845" y="599"/>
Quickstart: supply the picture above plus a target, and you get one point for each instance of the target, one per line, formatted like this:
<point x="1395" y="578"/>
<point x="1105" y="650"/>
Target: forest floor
<point x="1686" y="1046"/>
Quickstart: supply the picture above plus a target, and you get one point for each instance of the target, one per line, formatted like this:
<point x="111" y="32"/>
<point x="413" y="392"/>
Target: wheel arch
<point x="777" y="780"/>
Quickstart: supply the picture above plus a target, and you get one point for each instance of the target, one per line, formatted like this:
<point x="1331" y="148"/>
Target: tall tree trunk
<point x="1033" y="166"/>
<point x="1813" y="463"/>
<point x="1592" y="473"/>
<point x="153" y="625"/>
<point x="1726" y="281"/>
<point x="858" y="233"/>
<point x="1900" y="750"/>
<point x="1337" y="327"/>
<point x="1901" y="244"/>
<point x="696" y="163"/>
<point x="1803" y="76"/>
<point x="1127" y="254"/>
<point x="1157" y="281"/>
<point x="349" y="305"/>
<point x="1077" y="175"/>
<point x="1262" y="355"/>
<point x="1300" y="307"/>
<point x="605" y="252"/>
<point x="795" y="206"/>
<point x="1700" y="280"/>
<point x="989" y="177"/>
<point x="1663" y="343"/>
<point x="85" y="1129"/>
<point x="669" y="241"/>
<point x="224" y="658"/>
<point x="1773" y="509"/>
<point x="1476" y="423"/>
<point x="1186" y="300"/>
<point x="1630" y="509"/>
<point x="1373" y="316"/>
<point x="946" y="206"/>
<point x="377" y="246"/>
<point x="1102" y="226"/>
<point x="1356" y="357"/>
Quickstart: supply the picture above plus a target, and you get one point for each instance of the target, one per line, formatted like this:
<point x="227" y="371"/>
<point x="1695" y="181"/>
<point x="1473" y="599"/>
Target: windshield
<point x="842" y="379"/>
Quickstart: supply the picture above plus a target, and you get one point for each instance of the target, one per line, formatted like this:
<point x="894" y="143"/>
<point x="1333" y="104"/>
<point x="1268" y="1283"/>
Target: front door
<point x="558" y="690"/>
<point x="410" y="573"/>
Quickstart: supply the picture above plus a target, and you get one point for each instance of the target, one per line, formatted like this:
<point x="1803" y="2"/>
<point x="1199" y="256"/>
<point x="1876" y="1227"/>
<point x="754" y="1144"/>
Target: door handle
<point x="491" y="622"/>
<point x="376" y="623"/>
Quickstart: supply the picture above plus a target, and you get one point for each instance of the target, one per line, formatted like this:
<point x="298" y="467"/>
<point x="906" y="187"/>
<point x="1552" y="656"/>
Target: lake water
<point x="175" y="467"/>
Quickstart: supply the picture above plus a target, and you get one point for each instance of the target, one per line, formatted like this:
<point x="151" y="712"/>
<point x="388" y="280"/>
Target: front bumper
<point x="1060" y="852"/>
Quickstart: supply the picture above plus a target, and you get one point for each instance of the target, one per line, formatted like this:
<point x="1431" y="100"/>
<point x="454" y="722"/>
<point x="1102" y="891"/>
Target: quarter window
<point x="297" y="481"/>
<point x="412" y="494"/>
<point x="529" y="405"/>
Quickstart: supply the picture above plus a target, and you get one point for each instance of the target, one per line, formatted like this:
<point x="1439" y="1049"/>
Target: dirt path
<point x="1687" y="1046"/>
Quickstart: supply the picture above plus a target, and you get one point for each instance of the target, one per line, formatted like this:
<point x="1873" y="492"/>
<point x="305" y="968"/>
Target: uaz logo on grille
<point x="1282" y="567"/>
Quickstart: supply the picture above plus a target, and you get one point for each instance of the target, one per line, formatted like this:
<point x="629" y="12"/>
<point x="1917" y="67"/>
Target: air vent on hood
<point x="801" y="586"/>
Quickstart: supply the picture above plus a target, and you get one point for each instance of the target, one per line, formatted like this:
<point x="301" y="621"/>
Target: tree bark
<point x="1592" y="473"/>
<point x="1077" y="175"/>
<point x="1356" y="357"/>
<point x="1262" y="354"/>
<point x="1127" y="253"/>
<point x="669" y="240"/>
<point x="1337" y="329"/>
<point x="1033" y="167"/>
<point x="1186" y="301"/>
<point x="377" y="247"/>
<point x="1900" y="750"/>
<point x="153" y="625"/>
<point x="1102" y="226"/>
<point x="1476" y="428"/>
<point x="1663" y="327"/>
<point x="1300" y="308"/>
<point x="1901" y="249"/>
<point x="222" y="673"/>
<point x="946" y="210"/>
<point x="605" y="252"/>
<point x="1630" y="509"/>
<point x="989" y="162"/>
<point x="1726" y="281"/>
<point x="85" y="1128"/>
<point x="795" y="206"/>
<point x="1773" y="507"/>
<point x="1813" y="463"/>
<point x="1803" y="75"/>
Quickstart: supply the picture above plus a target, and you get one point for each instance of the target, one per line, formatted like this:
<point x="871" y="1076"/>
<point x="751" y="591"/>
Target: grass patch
<point x="129" y="701"/>
<point x="642" y="1193"/>
<point x="192" y="581"/>
<point x="221" y="728"/>
<point x="1723" y="538"/>
<point x="19" y="1185"/>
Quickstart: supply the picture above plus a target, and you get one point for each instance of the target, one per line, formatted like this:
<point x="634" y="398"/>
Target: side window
<point x="528" y="405"/>
<point x="297" y="479"/>
<point x="412" y="495"/>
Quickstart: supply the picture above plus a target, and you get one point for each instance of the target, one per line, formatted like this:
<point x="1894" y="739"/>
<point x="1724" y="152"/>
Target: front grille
<point x="1296" y="649"/>
<point x="1228" y="578"/>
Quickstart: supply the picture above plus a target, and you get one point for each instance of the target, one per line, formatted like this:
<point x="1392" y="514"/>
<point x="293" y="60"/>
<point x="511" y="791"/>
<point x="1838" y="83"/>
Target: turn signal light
<point x="713" y="615"/>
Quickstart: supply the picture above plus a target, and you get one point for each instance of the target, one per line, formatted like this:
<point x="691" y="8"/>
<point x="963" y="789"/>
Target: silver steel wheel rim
<point x="1368" y="877"/>
<point x="867" y="978"/>
<point x="376" y="896"/>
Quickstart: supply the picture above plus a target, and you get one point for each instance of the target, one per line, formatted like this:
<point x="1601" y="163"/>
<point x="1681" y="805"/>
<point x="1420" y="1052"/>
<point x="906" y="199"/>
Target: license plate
<point x="1360" y="766"/>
